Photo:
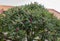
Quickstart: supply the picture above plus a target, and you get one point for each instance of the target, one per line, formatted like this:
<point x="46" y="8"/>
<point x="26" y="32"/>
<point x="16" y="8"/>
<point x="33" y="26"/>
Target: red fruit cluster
<point x="17" y="29"/>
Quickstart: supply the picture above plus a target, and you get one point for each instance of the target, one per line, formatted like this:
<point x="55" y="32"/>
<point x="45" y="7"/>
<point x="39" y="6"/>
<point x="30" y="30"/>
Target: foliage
<point x="29" y="21"/>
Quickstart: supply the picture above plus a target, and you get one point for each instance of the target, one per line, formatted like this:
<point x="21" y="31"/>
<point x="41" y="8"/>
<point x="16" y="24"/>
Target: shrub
<point x="29" y="21"/>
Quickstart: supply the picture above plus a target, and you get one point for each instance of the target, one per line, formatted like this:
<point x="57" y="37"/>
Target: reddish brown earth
<point x="55" y="13"/>
<point x="5" y="7"/>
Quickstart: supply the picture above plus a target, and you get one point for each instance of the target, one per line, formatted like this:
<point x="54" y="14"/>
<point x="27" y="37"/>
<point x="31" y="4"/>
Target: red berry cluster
<point x="17" y="29"/>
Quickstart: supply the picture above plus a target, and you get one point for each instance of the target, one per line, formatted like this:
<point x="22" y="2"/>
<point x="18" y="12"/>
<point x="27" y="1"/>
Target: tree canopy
<point x="30" y="21"/>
